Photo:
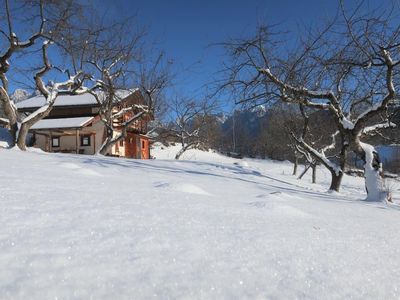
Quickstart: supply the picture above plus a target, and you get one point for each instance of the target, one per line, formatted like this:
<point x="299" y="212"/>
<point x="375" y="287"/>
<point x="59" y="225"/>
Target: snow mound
<point x="191" y="189"/>
<point x="182" y="187"/>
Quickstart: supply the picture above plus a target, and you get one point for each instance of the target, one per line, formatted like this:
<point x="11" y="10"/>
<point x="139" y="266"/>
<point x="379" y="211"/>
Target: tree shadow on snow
<point x="242" y="175"/>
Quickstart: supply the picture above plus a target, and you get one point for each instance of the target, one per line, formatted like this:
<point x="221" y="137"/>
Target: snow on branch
<point x="332" y="145"/>
<point x="143" y="108"/>
<point x="4" y="121"/>
<point x="319" y="156"/>
<point x="298" y="91"/>
<point x="133" y="118"/>
<point x="372" y="129"/>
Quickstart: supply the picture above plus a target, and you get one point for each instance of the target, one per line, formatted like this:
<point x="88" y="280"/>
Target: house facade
<point x="74" y="126"/>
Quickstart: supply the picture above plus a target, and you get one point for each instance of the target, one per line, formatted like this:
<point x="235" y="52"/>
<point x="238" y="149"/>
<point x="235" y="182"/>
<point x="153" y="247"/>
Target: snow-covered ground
<point x="208" y="227"/>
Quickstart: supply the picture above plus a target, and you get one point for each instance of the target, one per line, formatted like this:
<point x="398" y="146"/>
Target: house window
<point x="143" y="145"/>
<point x="121" y="143"/>
<point x="85" y="140"/>
<point x="55" y="142"/>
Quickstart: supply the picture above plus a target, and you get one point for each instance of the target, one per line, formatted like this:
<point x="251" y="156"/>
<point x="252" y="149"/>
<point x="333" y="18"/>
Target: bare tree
<point x="115" y="56"/>
<point x="15" y="49"/>
<point x="349" y="68"/>
<point x="188" y="123"/>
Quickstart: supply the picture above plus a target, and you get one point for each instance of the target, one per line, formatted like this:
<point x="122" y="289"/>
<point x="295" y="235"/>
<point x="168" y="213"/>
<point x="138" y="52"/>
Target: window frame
<point x="55" y="138"/>
<point x="83" y="137"/>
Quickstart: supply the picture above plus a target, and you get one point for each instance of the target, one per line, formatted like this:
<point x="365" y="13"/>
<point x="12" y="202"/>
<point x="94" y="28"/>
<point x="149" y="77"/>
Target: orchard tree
<point x="188" y="123"/>
<point x="49" y="18"/>
<point x="348" y="68"/>
<point x="120" y="64"/>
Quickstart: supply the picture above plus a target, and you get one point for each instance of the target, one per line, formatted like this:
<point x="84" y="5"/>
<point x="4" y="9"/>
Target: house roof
<point x="65" y="100"/>
<point x="68" y="100"/>
<point x="62" y="123"/>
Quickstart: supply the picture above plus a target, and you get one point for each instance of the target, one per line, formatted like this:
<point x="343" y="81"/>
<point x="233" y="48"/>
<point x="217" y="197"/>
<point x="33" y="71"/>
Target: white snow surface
<point x="62" y="123"/>
<point x="208" y="227"/>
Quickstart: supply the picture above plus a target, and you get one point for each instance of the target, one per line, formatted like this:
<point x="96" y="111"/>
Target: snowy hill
<point x="80" y="227"/>
<point x="160" y="151"/>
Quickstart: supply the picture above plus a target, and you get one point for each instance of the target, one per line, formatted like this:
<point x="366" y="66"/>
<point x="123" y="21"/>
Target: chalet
<point x="74" y="126"/>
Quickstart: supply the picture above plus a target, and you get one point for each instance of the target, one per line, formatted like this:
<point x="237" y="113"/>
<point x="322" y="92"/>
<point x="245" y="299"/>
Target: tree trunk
<point x="10" y="113"/>
<point x="106" y="147"/>
<point x="295" y="165"/>
<point x="183" y="150"/>
<point x="304" y="172"/>
<point x="336" y="181"/>
<point x="13" y="132"/>
<point x="22" y="134"/>
<point x="33" y="118"/>
<point x="179" y="154"/>
<point x="374" y="183"/>
<point x="29" y="122"/>
<point x="109" y="142"/>
<point x="314" y="173"/>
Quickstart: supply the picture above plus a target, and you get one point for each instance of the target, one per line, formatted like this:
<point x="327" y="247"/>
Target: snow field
<point x="81" y="227"/>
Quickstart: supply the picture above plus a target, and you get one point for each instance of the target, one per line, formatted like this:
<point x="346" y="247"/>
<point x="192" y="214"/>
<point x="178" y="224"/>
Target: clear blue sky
<point x="186" y="28"/>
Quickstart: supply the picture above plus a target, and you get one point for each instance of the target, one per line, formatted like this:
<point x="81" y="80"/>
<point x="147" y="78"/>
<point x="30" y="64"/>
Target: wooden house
<point x="74" y="126"/>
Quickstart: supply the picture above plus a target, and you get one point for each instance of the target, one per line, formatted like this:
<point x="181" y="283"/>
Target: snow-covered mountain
<point x="20" y="95"/>
<point x="260" y="110"/>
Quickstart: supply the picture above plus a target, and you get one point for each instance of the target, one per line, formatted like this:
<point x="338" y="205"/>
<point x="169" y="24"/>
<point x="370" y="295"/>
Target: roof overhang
<point x="63" y="123"/>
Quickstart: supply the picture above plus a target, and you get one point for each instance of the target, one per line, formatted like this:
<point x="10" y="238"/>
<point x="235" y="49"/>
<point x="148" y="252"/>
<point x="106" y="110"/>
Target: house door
<point x="144" y="148"/>
<point x="130" y="145"/>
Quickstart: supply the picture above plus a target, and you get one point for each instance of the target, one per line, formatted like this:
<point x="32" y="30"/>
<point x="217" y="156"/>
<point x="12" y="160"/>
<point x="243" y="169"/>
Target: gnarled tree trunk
<point x="183" y="150"/>
<point x="11" y="114"/>
<point x="32" y="119"/>
<point x="374" y="182"/>
<point x="109" y="141"/>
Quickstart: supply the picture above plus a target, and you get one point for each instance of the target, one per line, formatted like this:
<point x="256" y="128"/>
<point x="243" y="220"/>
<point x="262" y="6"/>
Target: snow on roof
<point x="62" y="123"/>
<point x="65" y="100"/>
<point x="69" y="100"/>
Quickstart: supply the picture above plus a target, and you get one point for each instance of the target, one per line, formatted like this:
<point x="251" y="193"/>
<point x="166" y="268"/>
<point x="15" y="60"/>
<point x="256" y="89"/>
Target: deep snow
<point x="81" y="227"/>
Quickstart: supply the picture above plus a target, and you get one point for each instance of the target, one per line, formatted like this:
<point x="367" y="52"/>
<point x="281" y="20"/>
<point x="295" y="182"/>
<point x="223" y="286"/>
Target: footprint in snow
<point x="161" y="184"/>
<point x="242" y="164"/>
<point x="258" y="204"/>
<point x="267" y="195"/>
